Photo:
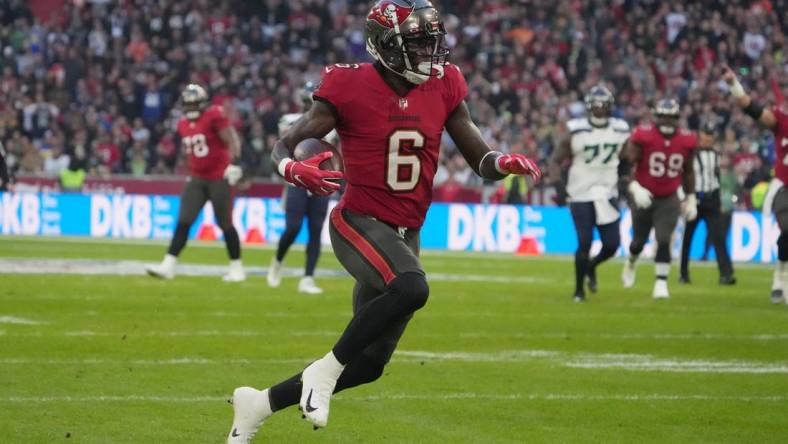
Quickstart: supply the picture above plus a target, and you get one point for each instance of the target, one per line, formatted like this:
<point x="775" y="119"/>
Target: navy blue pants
<point x="584" y="216"/>
<point x="299" y="204"/>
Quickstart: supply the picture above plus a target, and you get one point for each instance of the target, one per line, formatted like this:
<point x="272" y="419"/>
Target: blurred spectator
<point x="108" y="65"/>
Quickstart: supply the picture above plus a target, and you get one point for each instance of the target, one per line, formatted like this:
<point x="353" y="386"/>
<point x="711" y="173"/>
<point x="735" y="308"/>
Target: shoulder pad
<point x="620" y="125"/>
<point x="578" y="125"/>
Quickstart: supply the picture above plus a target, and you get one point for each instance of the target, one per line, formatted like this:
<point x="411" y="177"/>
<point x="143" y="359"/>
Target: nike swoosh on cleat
<point x="309" y="408"/>
<point x="235" y="433"/>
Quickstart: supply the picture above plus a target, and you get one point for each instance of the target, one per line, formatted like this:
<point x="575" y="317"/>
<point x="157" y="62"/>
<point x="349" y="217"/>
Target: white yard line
<point x="580" y="361"/>
<point x="653" y="397"/>
<point x="86" y="267"/>
<point x="19" y="321"/>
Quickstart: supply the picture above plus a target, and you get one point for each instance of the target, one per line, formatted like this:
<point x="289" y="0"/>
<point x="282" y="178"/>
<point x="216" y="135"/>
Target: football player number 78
<point x="197" y="145"/>
<point x="403" y="169"/>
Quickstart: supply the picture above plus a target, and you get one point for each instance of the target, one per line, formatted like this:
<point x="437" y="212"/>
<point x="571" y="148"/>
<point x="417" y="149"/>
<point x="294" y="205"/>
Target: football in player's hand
<point x="312" y="147"/>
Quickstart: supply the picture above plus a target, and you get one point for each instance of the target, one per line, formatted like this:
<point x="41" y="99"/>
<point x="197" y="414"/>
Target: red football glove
<point x="307" y="174"/>
<point x="519" y="164"/>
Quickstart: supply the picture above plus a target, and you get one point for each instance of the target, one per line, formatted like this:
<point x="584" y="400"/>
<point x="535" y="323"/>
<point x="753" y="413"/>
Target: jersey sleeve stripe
<point x="363" y="246"/>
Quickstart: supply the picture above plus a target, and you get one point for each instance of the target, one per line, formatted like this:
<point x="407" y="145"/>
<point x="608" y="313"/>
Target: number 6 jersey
<point x="662" y="159"/>
<point x="593" y="174"/>
<point x="208" y="154"/>
<point x="390" y="144"/>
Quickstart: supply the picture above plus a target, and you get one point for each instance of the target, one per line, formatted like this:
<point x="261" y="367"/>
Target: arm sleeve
<point x="457" y="87"/>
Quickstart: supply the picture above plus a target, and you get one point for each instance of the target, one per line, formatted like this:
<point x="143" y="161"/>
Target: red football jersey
<point x="208" y="154"/>
<point x="390" y="144"/>
<point x="661" y="166"/>
<point x="781" y="143"/>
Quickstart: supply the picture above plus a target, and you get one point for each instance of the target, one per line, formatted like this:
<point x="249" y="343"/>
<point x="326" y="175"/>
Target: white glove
<point x="640" y="195"/>
<point x="768" y="201"/>
<point x="690" y="207"/>
<point x="233" y="174"/>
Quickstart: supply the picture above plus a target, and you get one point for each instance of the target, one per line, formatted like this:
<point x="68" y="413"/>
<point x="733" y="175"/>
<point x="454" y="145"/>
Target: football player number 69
<point x="197" y="145"/>
<point x="403" y="169"/>
<point x="657" y="165"/>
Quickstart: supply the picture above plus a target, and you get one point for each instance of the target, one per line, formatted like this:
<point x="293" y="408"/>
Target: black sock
<point x="233" y="243"/>
<point x="581" y="270"/>
<point x="286" y="393"/>
<point x="179" y="239"/>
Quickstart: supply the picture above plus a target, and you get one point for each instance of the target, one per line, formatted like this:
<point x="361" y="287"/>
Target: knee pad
<point x="782" y="247"/>
<point x="663" y="252"/>
<point x="411" y="290"/>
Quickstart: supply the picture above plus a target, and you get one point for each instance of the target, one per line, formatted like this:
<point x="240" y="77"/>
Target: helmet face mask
<point x="599" y="105"/>
<point x="194" y="99"/>
<point x="667" y="113"/>
<point x="407" y="37"/>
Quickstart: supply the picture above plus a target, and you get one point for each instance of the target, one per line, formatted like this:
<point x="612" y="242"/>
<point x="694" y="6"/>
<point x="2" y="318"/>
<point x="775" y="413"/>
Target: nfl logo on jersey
<point x="403" y="103"/>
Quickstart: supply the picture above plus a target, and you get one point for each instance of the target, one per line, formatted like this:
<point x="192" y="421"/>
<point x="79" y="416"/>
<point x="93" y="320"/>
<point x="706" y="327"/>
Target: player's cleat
<point x="274" y="273"/>
<point x="777" y="296"/>
<point x="236" y="272"/>
<point x="660" y="289"/>
<point x="727" y="280"/>
<point x="307" y="285"/>
<point x="628" y="275"/>
<point x="318" y="382"/>
<point x="686" y="280"/>
<point x="251" y="407"/>
<point x="579" y="297"/>
<point x="160" y="272"/>
<point x="592" y="283"/>
<point x="165" y="270"/>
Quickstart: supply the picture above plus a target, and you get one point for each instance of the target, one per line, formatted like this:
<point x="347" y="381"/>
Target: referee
<point x="707" y="187"/>
<point x="5" y="172"/>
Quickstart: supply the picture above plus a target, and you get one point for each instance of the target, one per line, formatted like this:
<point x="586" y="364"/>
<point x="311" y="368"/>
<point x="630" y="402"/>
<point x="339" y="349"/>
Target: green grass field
<point x="509" y="359"/>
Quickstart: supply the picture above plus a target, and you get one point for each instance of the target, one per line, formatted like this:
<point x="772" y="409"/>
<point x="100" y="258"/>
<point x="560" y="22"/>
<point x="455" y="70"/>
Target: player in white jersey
<point x="299" y="204"/>
<point x="592" y="148"/>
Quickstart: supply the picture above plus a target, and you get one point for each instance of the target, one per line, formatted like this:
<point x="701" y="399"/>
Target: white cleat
<point x="628" y="274"/>
<point x="251" y="407"/>
<point x="160" y="271"/>
<point x="236" y="272"/>
<point x="318" y="382"/>
<point x="660" y="289"/>
<point x="274" y="273"/>
<point x="307" y="285"/>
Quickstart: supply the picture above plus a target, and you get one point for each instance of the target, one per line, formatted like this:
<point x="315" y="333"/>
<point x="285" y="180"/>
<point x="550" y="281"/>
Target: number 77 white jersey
<point x="593" y="174"/>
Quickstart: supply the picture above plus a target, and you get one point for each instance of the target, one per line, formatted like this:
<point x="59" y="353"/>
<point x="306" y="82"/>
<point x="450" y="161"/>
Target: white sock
<point x="236" y="264"/>
<point x="333" y="364"/>
<point x="169" y="261"/>
<point x="633" y="259"/>
<point x="662" y="269"/>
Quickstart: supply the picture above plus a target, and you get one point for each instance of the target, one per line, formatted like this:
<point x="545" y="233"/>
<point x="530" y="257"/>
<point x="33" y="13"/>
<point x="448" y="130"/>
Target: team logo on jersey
<point x="403" y="103"/>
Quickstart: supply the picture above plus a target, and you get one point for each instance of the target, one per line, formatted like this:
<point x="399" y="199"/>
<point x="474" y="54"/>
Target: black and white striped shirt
<point x="707" y="170"/>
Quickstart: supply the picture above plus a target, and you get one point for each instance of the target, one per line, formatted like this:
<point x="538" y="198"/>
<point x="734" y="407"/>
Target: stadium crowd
<point x="95" y="88"/>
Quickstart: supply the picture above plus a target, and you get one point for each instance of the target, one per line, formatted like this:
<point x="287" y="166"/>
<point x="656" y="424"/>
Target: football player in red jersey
<point x="775" y="119"/>
<point x="212" y="142"/>
<point x="390" y="116"/>
<point x="662" y="155"/>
